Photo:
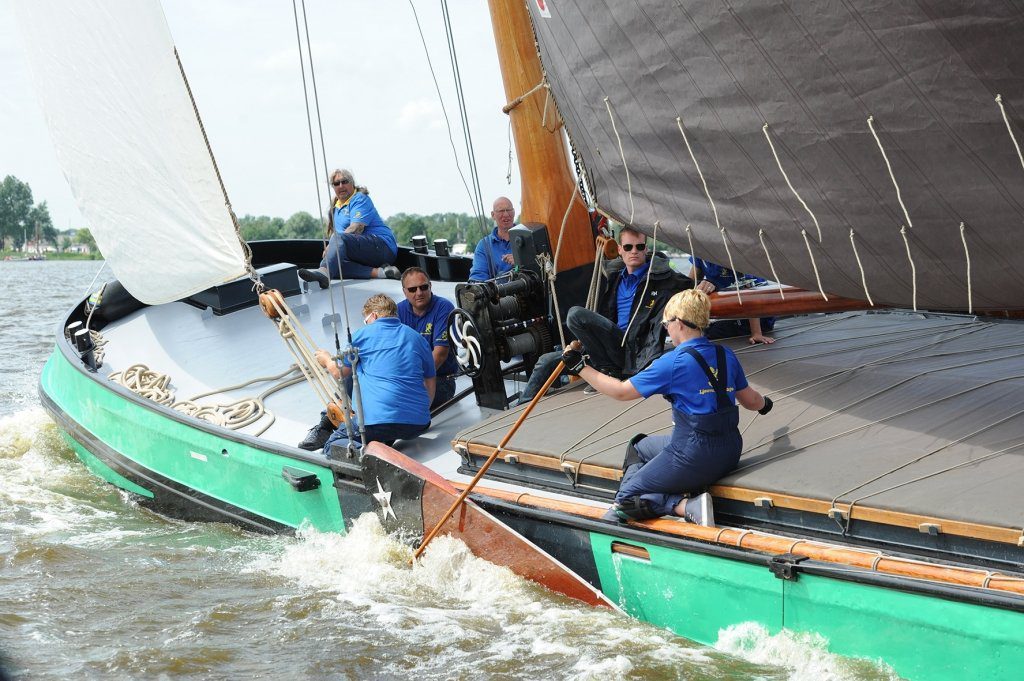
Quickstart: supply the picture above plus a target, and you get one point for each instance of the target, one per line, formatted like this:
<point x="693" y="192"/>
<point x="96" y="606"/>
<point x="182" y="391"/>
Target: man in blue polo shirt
<point x="713" y="277"/>
<point x="396" y="380"/>
<point x="493" y="254"/>
<point x="427" y="315"/>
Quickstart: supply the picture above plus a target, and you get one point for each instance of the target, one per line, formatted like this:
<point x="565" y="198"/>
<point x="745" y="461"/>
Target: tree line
<point x="21" y="219"/>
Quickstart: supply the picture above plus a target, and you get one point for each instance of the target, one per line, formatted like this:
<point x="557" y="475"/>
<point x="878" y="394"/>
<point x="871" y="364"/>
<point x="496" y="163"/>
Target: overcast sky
<point x="381" y="115"/>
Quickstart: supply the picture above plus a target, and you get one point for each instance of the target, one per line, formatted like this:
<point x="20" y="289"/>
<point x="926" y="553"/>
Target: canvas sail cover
<point x="941" y="154"/>
<point x="129" y="144"/>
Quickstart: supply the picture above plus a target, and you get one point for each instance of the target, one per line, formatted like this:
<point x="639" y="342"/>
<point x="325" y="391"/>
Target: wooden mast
<point x="547" y="182"/>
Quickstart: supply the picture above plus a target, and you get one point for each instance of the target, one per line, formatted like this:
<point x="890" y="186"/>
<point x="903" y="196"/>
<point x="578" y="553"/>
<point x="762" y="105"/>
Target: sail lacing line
<point x="257" y="283"/>
<point x="789" y="184"/>
<point x="860" y="266"/>
<point x="714" y="210"/>
<point x="1009" y="129"/>
<point x="622" y="155"/>
<point x="771" y="265"/>
<point x="892" y="176"/>
<point x="913" y="268"/>
<point x="543" y="84"/>
<point x="967" y="256"/>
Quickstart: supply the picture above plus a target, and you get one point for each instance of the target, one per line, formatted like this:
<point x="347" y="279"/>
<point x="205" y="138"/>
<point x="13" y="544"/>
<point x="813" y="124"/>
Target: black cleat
<point x="319" y="276"/>
<point x="318" y="435"/>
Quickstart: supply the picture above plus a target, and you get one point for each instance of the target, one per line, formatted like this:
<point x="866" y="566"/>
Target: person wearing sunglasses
<point x="493" y="253"/>
<point x="361" y="245"/>
<point x="711" y="278"/>
<point x="667" y="474"/>
<point x="625" y="333"/>
<point x="396" y="380"/>
<point x="427" y="315"/>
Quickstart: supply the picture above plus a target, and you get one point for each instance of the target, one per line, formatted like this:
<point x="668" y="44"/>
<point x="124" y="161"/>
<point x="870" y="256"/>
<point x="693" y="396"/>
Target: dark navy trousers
<point x="358" y="253"/>
<point x="702" y="449"/>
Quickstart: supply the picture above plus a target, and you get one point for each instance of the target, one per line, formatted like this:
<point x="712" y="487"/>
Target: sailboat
<point x="865" y="153"/>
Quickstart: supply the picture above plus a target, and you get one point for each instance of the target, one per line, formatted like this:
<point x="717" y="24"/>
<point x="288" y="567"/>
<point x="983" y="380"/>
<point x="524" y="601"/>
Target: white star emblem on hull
<point x="384" y="499"/>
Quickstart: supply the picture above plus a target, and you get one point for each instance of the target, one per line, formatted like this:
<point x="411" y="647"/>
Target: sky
<point x="380" y="112"/>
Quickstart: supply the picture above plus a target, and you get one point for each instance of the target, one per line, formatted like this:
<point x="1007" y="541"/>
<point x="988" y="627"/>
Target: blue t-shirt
<point x="393" y="361"/>
<point x="678" y="376"/>
<point x="482" y="257"/>
<point x="628" y="285"/>
<point x="433" y="328"/>
<point x="359" y="208"/>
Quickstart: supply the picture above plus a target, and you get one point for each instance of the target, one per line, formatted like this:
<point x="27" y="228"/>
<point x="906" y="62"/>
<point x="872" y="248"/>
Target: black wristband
<point x="767" y="406"/>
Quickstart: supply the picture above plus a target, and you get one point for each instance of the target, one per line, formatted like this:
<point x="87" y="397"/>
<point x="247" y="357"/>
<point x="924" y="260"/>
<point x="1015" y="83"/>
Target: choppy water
<point x="92" y="586"/>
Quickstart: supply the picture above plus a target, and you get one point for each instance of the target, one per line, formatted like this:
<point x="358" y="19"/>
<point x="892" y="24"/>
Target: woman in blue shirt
<point x="361" y="245"/>
<point x="703" y="381"/>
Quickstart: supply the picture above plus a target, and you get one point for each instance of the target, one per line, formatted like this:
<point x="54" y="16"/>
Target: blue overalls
<point x="702" y="449"/>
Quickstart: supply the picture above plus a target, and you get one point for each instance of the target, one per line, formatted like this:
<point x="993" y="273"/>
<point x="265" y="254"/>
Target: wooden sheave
<point x="546" y="179"/>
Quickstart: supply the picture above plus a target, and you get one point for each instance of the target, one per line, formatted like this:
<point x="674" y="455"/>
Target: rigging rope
<point x="1009" y="129"/>
<point x="892" y="176"/>
<point x="967" y="255"/>
<point x="789" y="184"/>
<point x="771" y="265"/>
<point x="622" y="155"/>
<point x="860" y="266"/>
<point x="910" y="259"/>
<point x="814" y="265"/>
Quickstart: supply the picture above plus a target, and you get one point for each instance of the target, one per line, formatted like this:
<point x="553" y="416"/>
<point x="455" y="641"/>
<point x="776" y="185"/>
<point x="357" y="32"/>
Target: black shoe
<point x="391" y="272"/>
<point x="318" y="276"/>
<point x="318" y="435"/>
<point x="634" y="508"/>
<point x="632" y="456"/>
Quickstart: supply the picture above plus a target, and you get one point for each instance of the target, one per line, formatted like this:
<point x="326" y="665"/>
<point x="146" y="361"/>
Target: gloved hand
<point x="767" y="406"/>
<point x="574" y="359"/>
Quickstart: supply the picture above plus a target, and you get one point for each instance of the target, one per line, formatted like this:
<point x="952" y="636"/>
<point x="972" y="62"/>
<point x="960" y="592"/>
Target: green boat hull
<point x="692" y="589"/>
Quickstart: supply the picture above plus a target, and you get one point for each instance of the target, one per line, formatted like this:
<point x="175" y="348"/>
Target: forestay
<point x="130" y="144"/>
<point x="856" y="148"/>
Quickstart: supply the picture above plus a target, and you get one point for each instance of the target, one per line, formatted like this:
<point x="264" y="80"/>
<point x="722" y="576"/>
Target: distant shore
<point x="18" y="255"/>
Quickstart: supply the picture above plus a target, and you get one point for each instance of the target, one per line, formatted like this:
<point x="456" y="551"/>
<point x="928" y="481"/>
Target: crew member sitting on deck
<point x="361" y="245"/>
<point x="493" y="254"/>
<point x="703" y="381"/>
<point x="396" y="380"/>
<point x="427" y="315"/>
<point x="716" y="278"/>
<point x="630" y="307"/>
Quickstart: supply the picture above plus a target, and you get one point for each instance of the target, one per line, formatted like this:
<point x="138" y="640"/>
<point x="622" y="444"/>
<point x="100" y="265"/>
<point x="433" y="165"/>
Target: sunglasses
<point x="666" y="322"/>
<point x="629" y="247"/>
<point x="338" y="183"/>
<point x="421" y="287"/>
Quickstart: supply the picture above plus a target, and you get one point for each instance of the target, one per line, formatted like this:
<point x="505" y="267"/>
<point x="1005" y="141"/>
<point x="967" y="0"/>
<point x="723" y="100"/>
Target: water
<point x="93" y="586"/>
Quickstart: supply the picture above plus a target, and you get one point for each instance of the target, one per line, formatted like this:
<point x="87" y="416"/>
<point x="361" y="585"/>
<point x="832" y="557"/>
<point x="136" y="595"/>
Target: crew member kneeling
<point x="704" y="382"/>
<point x="396" y="378"/>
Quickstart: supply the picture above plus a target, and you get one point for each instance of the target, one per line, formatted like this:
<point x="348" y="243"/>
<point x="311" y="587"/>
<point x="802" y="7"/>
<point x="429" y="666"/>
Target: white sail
<point x="129" y="143"/>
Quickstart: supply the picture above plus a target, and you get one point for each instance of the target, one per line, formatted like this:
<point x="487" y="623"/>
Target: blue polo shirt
<point x="433" y="328"/>
<point x="359" y="208"/>
<point x="628" y="284"/>
<point x="393" y="361"/>
<point x="678" y="376"/>
<point x="482" y="257"/>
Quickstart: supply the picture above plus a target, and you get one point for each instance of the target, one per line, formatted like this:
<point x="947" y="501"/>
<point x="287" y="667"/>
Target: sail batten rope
<point x="814" y="265"/>
<point x="622" y="155"/>
<point x="789" y="184"/>
<point x="714" y="209"/>
<point x="771" y="265"/>
<point x="913" y="268"/>
<point x="967" y="256"/>
<point x="860" y="266"/>
<point x="892" y="176"/>
<point x="1009" y="129"/>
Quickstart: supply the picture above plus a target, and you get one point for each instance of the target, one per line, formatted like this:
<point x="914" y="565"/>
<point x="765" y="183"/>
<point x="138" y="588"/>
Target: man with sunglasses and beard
<point x="427" y="315"/>
<point x="625" y="334"/>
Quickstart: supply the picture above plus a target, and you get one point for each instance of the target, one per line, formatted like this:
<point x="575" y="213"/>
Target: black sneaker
<point x="319" y="276"/>
<point x="634" y="508"/>
<point x="391" y="272"/>
<point x="318" y="435"/>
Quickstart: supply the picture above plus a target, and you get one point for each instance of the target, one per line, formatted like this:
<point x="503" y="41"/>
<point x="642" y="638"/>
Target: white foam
<point x="805" y="655"/>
